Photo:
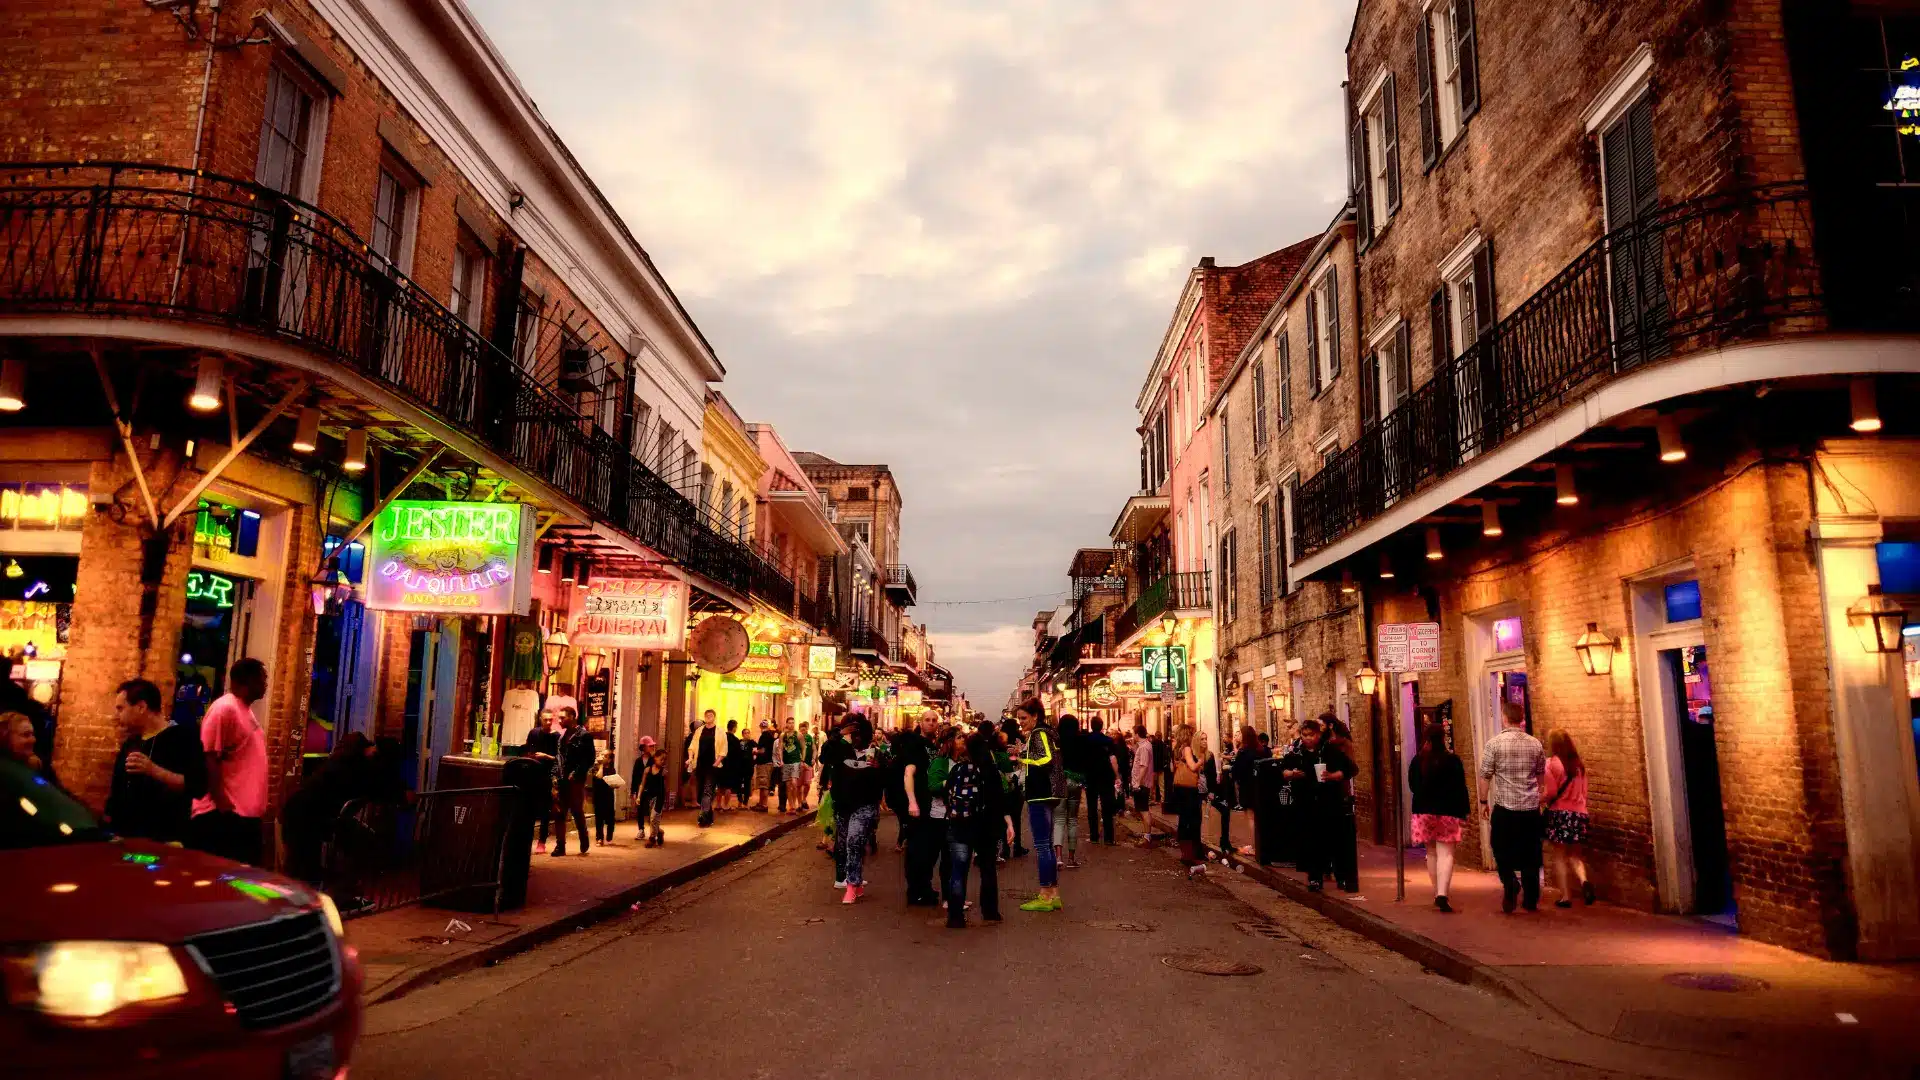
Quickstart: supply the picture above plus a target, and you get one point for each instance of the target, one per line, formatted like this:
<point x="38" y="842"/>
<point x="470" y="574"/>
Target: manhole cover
<point x="1124" y="927"/>
<point x="1210" y="965"/>
<point x="1721" y="981"/>
<point x="1265" y="930"/>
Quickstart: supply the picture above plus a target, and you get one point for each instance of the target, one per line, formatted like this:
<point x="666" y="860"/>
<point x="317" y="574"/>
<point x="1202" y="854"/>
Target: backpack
<point x="965" y="799"/>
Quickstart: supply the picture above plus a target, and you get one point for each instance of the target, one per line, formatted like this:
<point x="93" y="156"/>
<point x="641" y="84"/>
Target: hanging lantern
<point x="1672" y="448"/>
<point x="13" y="384"/>
<point x="591" y="663"/>
<point x="556" y="649"/>
<point x="1860" y="399"/>
<point x="1434" y="551"/>
<point x="306" y="431"/>
<point x="1366" y="680"/>
<point x="1877" y="621"/>
<point x="1596" y="650"/>
<point x="1168" y="623"/>
<point x="206" y="385"/>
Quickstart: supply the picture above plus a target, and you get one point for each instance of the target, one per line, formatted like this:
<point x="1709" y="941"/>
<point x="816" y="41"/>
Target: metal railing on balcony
<point x="1173" y="592"/>
<point x="862" y="634"/>
<point x="161" y="242"/>
<point x="900" y="581"/>
<point x="1732" y="267"/>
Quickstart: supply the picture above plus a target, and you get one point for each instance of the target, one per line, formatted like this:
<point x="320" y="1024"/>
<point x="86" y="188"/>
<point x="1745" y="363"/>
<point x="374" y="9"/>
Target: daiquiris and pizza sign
<point x="458" y="558"/>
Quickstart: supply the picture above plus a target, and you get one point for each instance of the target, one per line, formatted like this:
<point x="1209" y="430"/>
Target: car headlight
<point x="332" y="912"/>
<point x="85" y="979"/>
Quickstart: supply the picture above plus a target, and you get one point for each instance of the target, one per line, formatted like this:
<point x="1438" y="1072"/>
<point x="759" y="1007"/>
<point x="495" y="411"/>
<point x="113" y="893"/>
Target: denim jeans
<point x="1040" y="820"/>
<point x="705" y="782"/>
<point x="962" y="853"/>
<point x="858" y="827"/>
<point x="1066" y="823"/>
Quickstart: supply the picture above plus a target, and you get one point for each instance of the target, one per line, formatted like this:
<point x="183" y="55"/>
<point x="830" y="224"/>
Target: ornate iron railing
<point x="1172" y="592"/>
<point x="900" y="580"/>
<point x="161" y="242"/>
<point x="1732" y="267"/>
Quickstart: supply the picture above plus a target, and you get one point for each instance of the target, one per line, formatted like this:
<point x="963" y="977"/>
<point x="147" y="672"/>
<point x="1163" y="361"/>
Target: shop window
<point x="43" y="507"/>
<point x="226" y="529"/>
<point x="858" y="494"/>
<point x="1507" y="635"/>
<point x="1899" y="567"/>
<point x="1682" y="600"/>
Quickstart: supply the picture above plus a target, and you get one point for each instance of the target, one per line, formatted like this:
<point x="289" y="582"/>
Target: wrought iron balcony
<point x="1172" y="593"/>
<point x="156" y="242"/>
<point x="1733" y="267"/>
<point x="901" y="587"/>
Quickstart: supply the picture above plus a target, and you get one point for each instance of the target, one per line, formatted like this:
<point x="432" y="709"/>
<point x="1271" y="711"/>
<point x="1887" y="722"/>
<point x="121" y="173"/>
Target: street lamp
<point x="1167" y="624"/>
<point x="1596" y="650"/>
<point x="590" y="663"/>
<point x="1877" y="621"/>
<point x="1365" y="680"/>
<point x="1278" y="702"/>
<point x="556" y="650"/>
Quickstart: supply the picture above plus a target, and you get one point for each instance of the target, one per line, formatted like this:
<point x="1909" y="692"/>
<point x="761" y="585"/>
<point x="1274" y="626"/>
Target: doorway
<point x="1691" y="699"/>
<point x="218" y="624"/>
<point x="433" y="664"/>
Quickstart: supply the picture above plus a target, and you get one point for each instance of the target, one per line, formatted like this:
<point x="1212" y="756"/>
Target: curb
<point x="1430" y="954"/>
<point x="600" y="910"/>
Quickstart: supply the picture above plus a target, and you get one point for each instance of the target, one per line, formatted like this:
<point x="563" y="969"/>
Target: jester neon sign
<point x="450" y="557"/>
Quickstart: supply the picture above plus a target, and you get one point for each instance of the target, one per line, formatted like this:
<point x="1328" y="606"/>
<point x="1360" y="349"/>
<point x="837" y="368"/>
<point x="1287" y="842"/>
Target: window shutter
<point x="1226" y="452"/>
<point x="1390" y="129"/>
<point x="1646" y="188"/>
<point x="1485" y="311"/>
<point x="1259" y="400"/>
<point x="1442" y="324"/>
<point x="1266" y="552"/>
<point x="1357" y="172"/>
<point x="1313" y="342"/>
<point x="1429" y="115"/>
<point x="1468" y="44"/>
<point x="1280" y="541"/>
<point x="1333" y="324"/>
<point x="1282" y="362"/>
<point x="1369" y="390"/>
<point x="1402" y="364"/>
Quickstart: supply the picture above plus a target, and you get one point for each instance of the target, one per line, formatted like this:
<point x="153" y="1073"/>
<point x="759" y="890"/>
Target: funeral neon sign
<point x="460" y="558"/>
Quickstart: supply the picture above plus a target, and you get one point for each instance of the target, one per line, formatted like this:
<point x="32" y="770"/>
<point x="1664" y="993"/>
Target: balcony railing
<point x="159" y="242"/>
<point x="1733" y="267"/>
<point x="900" y="582"/>
<point x="1173" y="592"/>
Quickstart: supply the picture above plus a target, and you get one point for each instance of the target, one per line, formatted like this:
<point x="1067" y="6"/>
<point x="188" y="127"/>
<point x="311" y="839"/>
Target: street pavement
<point x="759" y="971"/>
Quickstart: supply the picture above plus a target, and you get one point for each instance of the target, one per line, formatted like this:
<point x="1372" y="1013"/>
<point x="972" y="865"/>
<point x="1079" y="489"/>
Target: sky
<point x="948" y="237"/>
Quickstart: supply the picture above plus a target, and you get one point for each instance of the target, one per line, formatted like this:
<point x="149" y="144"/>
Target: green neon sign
<point x="210" y="588"/>
<point x="1165" y="667"/>
<point x="452" y="557"/>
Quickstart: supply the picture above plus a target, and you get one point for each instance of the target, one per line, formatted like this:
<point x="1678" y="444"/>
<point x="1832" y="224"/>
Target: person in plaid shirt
<point x="1514" y="761"/>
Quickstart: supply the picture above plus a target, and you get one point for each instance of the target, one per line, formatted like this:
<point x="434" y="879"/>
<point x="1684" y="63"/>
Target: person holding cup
<point x="1304" y="769"/>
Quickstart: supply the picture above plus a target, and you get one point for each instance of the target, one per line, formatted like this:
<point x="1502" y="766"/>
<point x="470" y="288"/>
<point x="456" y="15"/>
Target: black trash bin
<point x="534" y="779"/>
<point x="1271" y="818"/>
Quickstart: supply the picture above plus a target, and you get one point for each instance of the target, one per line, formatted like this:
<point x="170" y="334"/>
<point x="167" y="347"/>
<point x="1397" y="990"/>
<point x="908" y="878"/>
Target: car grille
<point x="273" y="972"/>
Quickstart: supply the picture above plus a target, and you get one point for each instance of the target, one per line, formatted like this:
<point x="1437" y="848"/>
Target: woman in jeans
<point x="1189" y="758"/>
<point x="1563" y="795"/>
<point x="1066" y="822"/>
<point x="978" y="820"/>
<point x="858" y="783"/>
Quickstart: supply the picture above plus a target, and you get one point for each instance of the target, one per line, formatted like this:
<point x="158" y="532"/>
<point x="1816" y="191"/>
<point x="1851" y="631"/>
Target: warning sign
<point x="1407" y="646"/>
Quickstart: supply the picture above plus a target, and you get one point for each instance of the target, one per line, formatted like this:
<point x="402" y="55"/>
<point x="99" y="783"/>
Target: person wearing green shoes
<point x="1046" y="786"/>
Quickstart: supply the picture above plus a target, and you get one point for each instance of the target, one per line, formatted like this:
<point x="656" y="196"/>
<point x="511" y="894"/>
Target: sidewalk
<point x="1661" y="981"/>
<point x="409" y="947"/>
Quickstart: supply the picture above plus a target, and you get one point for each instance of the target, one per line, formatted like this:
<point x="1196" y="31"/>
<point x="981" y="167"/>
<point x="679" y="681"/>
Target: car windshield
<point x="36" y="813"/>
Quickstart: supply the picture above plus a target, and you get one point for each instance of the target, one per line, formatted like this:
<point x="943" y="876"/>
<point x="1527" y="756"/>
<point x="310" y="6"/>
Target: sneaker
<point x="859" y="890"/>
<point x="1314" y="886"/>
<point x="839" y="883"/>
<point x="1563" y="903"/>
<point x="1038" y="903"/>
<point x="852" y="895"/>
<point x="1058" y="903"/>
<point x="556" y="853"/>
<point x="1508" y="900"/>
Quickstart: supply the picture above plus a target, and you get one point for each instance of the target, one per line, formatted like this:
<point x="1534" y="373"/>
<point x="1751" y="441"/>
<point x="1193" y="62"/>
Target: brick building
<point x="1636" y="342"/>
<point x="270" y="268"/>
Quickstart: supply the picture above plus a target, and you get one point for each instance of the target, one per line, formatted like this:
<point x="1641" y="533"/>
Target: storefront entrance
<point x="433" y="668"/>
<point x="1691" y="698"/>
<point x="219" y="614"/>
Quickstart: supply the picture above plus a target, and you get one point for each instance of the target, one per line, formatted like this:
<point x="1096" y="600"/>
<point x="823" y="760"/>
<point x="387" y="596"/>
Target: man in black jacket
<point x="577" y="754"/>
<point x="1102" y="777"/>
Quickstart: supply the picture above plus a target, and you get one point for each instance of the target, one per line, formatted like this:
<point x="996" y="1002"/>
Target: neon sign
<point x="1165" y="667"/>
<point x="458" y="558"/>
<point x="630" y="613"/>
<point x="210" y="588"/>
<point x="1904" y="101"/>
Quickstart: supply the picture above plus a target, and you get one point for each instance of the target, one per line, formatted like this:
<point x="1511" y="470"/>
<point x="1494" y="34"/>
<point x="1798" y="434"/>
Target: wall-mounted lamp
<point x="206" y="385"/>
<point x="306" y="431"/>
<point x="591" y="663"/>
<point x="1866" y="411"/>
<point x="1877" y="621"/>
<point x="355" y="459"/>
<point x="13" y="384"/>
<point x="1596" y="650"/>
<point x="1168" y="623"/>
<point x="1563" y="489"/>
<point x="556" y="650"/>
<point x="1672" y="447"/>
<point x="1366" y="680"/>
<point x="1277" y="702"/>
<point x="1490" y="520"/>
<point x="1434" y="551"/>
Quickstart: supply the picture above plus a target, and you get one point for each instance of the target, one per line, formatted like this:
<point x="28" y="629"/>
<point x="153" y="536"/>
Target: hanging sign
<point x="455" y="558"/>
<point x="1101" y="693"/>
<point x="208" y="587"/>
<point x="719" y="644"/>
<point x="1407" y="646"/>
<point x="630" y="613"/>
<point x="1903" y="101"/>
<point x="1166" y="668"/>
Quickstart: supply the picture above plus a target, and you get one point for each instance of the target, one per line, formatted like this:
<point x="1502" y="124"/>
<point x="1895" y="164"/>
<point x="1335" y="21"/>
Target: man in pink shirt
<point x="226" y="821"/>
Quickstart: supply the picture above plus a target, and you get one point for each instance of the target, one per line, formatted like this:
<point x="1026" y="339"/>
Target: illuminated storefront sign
<point x="208" y="587"/>
<point x="911" y="697"/>
<point x="1904" y="99"/>
<point x="822" y="660"/>
<point x="630" y="613"/>
<point x="43" y="506"/>
<point x="764" y="671"/>
<point x="1166" y="668"/>
<point x="456" y="558"/>
<point x="752" y="686"/>
<point x="1101" y="693"/>
<point x="1129" y="678"/>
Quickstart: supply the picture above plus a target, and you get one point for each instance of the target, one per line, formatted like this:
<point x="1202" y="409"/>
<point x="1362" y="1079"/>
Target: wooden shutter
<point x="1402" y="364"/>
<point x="1369" y="389"/>
<point x="1333" y="324"/>
<point x="1441" y="321"/>
<point x="1632" y="190"/>
<point x="1226" y="452"/>
<point x="1280" y="541"/>
<point x="1485" y="311"/>
<point x="1259" y="399"/>
<point x="1283" y="363"/>
<point x="1429" y="114"/>
<point x="1357" y="173"/>
<point x="1266" y="552"/>
<point x="1468" y="44"/>
<point x="1313" y="342"/>
<point x="1390" y="142"/>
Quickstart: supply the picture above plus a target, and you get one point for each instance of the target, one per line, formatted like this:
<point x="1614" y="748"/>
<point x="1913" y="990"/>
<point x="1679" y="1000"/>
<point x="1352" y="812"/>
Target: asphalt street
<point x="760" y="971"/>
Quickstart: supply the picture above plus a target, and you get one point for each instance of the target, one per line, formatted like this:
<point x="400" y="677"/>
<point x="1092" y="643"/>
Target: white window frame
<point x="1286" y="485"/>
<point x="1384" y="339"/>
<point x="1456" y="276"/>
<point x="306" y="183"/>
<point x="1269" y="574"/>
<point x="409" y="186"/>
<point x="1322" y="330"/>
<point x="1446" y="70"/>
<point x="1326" y="446"/>
<point x="468" y="287"/>
<point x="1373" y="128"/>
<point x="1282" y="378"/>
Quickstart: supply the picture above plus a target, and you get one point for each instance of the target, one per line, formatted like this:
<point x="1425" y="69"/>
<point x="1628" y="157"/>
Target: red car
<point x="131" y="959"/>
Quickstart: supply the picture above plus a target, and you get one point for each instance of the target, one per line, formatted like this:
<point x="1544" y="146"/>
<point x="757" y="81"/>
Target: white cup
<point x="1319" y="770"/>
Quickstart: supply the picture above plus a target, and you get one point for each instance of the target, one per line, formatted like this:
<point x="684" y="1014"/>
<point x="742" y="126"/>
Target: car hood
<point x="135" y="890"/>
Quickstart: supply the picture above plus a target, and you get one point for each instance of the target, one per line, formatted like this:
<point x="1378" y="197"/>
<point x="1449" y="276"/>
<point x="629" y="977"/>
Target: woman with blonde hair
<point x="1189" y="759"/>
<point x="1564" y="798"/>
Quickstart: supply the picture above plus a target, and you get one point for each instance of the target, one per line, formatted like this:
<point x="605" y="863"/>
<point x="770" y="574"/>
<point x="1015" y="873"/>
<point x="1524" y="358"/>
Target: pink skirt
<point x="1431" y="827"/>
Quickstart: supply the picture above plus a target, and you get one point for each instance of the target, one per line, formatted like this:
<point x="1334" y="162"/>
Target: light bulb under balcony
<point x="543" y="562"/>
<point x="1434" y="551"/>
<point x="13" y="384"/>
<point x="355" y="459"/>
<point x="569" y="566"/>
<point x="1672" y="447"/>
<point x="206" y="385"/>
<point x="1564" y="492"/>
<point x="1490" y="520"/>
<point x="1386" y="567"/>
<point x="1866" y="411"/>
<point x="306" y="432"/>
<point x="1347" y="587"/>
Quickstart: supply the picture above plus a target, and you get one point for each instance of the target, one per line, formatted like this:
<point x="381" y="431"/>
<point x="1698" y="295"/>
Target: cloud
<point x="987" y="661"/>
<point x="948" y="237"/>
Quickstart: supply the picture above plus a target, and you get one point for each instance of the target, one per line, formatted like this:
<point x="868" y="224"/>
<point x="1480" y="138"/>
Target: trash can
<point x="534" y="779"/>
<point x="1271" y="818"/>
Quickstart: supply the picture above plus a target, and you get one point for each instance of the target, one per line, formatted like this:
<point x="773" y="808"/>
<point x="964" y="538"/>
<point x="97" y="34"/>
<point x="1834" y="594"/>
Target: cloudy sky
<point x="948" y="236"/>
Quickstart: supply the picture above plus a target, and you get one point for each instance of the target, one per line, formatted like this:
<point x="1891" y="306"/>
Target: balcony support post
<point x="192" y="497"/>
<point x="125" y="431"/>
<point x="360" y="527"/>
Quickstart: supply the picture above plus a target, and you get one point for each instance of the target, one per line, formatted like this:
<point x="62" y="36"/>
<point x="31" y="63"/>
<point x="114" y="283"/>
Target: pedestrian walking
<point x="859" y="781"/>
<point x="1334" y="804"/>
<point x="577" y="756"/>
<point x="706" y="757"/>
<point x="1066" y="818"/>
<point x="979" y="820"/>
<point x="836" y="751"/>
<point x="650" y="789"/>
<point x="1163" y="756"/>
<point x="1243" y="768"/>
<point x="739" y="768"/>
<point x="1183" y="798"/>
<point x="1140" y="780"/>
<point x="809" y="762"/>
<point x="1046" y="785"/>
<point x="1438" y="784"/>
<point x="948" y="747"/>
<point x="1514" y="761"/>
<point x="792" y="749"/>
<point x="227" y="819"/>
<point x="543" y="744"/>
<point x="763" y="752"/>
<point x="1303" y="768"/>
<point x="159" y="771"/>
<point x="1103" y="783"/>
<point x="913" y="753"/>
<point x="1007" y="759"/>
<point x="602" y="783"/>
<point x="1565" y="820"/>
